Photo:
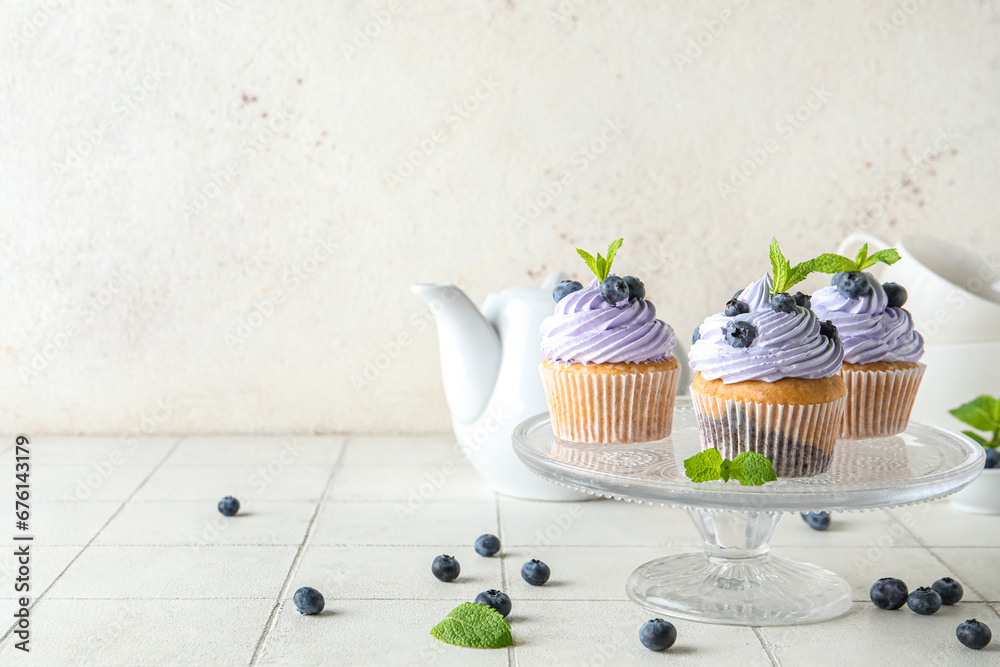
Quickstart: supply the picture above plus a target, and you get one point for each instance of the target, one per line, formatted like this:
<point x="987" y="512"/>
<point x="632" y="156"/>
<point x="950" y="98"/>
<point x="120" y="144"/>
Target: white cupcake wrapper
<point x="879" y="403"/>
<point x="607" y="408"/>
<point x="797" y="439"/>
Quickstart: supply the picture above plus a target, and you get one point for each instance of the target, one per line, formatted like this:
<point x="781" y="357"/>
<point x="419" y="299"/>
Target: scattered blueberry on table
<point x="229" y="506"/>
<point x="308" y="600"/>
<point x="657" y="634"/>
<point x="535" y="572"/>
<point x="565" y="288"/>
<point x="924" y="601"/>
<point x="889" y="593"/>
<point x="817" y="520"/>
<point x="487" y="545"/>
<point x="445" y="568"/>
<point x="499" y="600"/>
<point x="974" y="634"/>
<point x="992" y="457"/>
<point x="950" y="590"/>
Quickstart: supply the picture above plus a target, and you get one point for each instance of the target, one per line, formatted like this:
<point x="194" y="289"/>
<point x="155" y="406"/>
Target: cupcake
<point x="881" y="352"/>
<point x="767" y="380"/>
<point x="608" y="373"/>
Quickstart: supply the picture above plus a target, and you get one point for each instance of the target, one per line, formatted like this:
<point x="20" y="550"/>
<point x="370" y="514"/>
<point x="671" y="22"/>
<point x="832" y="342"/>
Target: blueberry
<point x="636" y="290"/>
<point x="783" y="303"/>
<point x="889" y="593"/>
<point x="740" y="334"/>
<point x="496" y="599"/>
<point x="737" y="293"/>
<point x="696" y="336"/>
<point x="949" y="590"/>
<point x="308" y="600"/>
<point x="992" y="458"/>
<point x="925" y="601"/>
<point x="736" y="307"/>
<point x="852" y="284"/>
<point x="657" y="634"/>
<point x="614" y="290"/>
<point x="535" y="572"/>
<point x="895" y="293"/>
<point x="445" y="568"/>
<point x="974" y="634"/>
<point x="829" y="329"/>
<point x="564" y="288"/>
<point x="487" y="545"/>
<point x="802" y="300"/>
<point x="229" y="506"/>
<point x="817" y="520"/>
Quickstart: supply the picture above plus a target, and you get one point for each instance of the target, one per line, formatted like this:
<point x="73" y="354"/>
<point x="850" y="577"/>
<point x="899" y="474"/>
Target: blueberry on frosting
<point x="802" y="300"/>
<point x="636" y="290"/>
<point x="740" y="333"/>
<point x="736" y="307"/>
<point x="852" y="284"/>
<point x="895" y="293"/>
<point x="829" y="330"/>
<point x="564" y="288"/>
<point x="614" y="290"/>
<point x="783" y="303"/>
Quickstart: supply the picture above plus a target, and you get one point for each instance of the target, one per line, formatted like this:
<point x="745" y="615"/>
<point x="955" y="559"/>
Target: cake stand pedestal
<point x="736" y="580"/>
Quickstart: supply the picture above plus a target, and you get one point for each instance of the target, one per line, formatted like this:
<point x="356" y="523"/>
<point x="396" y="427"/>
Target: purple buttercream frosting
<point x="786" y="344"/>
<point x="869" y="328"/>
<point x="586" y="329"/>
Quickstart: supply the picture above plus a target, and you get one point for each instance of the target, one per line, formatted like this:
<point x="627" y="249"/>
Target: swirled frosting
<point x="870" y="329"/>
<point x="786" y="344"/>
<point x="586" y="329"/>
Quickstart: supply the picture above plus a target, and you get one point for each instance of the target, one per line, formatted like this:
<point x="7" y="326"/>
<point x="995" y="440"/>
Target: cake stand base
<point x="736" y="581"/>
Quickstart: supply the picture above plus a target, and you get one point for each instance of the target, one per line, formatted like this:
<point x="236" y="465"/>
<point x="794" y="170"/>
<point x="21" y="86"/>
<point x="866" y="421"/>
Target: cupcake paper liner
<point x="798" y="439"/>
<point x="879" y="402"/>
<point x="611" y="408"/>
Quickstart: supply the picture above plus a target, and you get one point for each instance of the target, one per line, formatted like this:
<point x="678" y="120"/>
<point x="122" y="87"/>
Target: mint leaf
<point x="613" y="250"/>
<point x="602" y="268"/>
<point x="704" y="466"/>
<point x="751" y="469"/>
<point x="889" y="256"/>
<point x="975" y="436"/>
<point x="589" y="259"/>
<point x="982" y="412"/>
<point x="862" y="254"/>
<point x="831" y="263"/>
<point x="779" y="268"/>
<point x="475" y="626"/>
<point x="796" y="275"/>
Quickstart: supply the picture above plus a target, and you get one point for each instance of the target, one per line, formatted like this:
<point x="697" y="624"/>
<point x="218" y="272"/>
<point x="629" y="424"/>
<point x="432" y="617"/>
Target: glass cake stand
<point x="736" y="580"/>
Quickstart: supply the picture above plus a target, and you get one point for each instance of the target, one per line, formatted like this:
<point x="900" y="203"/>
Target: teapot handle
<point x="851" y="243"/>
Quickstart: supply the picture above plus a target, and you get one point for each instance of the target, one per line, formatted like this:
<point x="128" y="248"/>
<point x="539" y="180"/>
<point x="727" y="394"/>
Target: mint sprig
<point x="982" y="413"/>
<point x="748" y="468"/>
<point x="783" y="275"/>
<point x="474" y="626"/>
<point x="832" y="263"/>
<point x="601" y="266"/>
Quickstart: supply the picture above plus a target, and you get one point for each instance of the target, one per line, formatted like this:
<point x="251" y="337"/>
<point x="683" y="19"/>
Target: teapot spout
<point x="470" y="350"/>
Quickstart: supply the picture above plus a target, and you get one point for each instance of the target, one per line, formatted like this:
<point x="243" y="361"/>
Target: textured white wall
<point x="171" y="169"/>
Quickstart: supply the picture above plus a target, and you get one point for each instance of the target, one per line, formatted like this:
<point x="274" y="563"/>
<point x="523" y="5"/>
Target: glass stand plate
<point x="736" y="580"/>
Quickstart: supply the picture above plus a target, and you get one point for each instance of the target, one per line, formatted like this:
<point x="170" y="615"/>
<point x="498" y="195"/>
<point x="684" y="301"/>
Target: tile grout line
<point x="770" y="656"/>
<point x="937" y="557"/>
<point x="272" y="618"/>
<point x="111" y="518"/>
<point x="511" y="650"/>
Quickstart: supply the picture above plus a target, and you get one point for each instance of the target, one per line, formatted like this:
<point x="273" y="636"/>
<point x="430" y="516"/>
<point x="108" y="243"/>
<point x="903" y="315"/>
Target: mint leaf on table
<point x="474" y="626"/>
<point x="982" y="413"/>
<point x="889" y="256"/>
<point x="748" y="468"/>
